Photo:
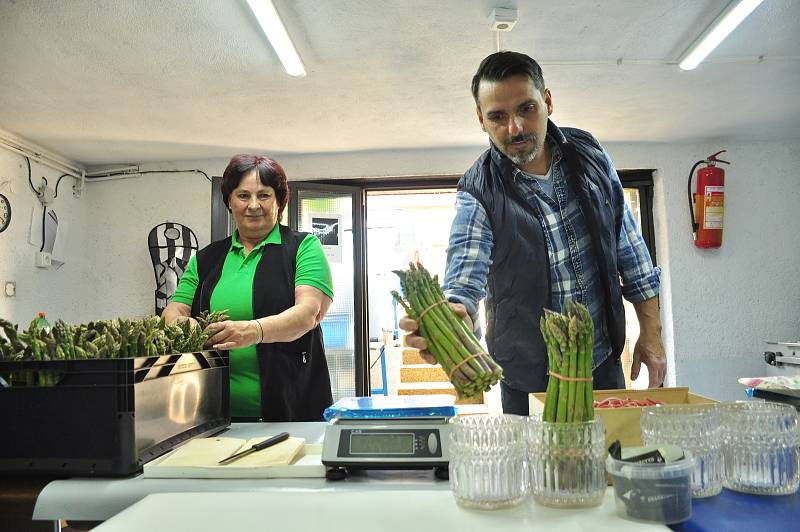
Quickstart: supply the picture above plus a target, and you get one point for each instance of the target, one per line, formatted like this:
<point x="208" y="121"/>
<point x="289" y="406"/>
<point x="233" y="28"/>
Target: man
<point x="540" y="219"/>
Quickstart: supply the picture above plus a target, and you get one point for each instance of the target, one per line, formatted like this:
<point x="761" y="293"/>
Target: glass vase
<point x="760" y="447"/>
<point x="487" y="461"/>
<point x="566" y="462"/>
<point x="694" y="428"/>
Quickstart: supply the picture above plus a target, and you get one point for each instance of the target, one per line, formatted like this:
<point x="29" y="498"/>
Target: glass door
<point x="403" y="225"/>
<point x="334" y="213"/>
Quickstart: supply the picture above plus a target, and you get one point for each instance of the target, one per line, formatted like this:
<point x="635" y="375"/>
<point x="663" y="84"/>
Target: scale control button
<point x="433" y="442"/>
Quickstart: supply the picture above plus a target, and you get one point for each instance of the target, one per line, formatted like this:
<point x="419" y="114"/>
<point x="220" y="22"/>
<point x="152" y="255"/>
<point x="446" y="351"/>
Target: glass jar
<point x="696" y="429"/>
<point x="566" y="462"/>
<point x="487" y="461"/>
<point x="760" y="447"/>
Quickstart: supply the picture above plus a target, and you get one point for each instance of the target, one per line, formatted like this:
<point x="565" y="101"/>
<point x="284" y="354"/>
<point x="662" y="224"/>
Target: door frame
<point x="370" y="184"/>
<point x="361" y="186"/>
<point x="360" y="342"/>
<point x="642" y="180"/>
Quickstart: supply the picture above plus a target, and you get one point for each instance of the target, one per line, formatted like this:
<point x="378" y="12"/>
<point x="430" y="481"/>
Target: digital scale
<point x="401" y="432"/>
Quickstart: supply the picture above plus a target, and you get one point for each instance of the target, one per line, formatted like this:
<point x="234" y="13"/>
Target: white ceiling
<point x="102" y="81"/>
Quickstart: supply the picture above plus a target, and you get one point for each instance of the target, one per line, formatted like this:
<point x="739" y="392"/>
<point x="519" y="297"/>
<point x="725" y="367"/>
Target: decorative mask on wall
<point x="171" y="246"/>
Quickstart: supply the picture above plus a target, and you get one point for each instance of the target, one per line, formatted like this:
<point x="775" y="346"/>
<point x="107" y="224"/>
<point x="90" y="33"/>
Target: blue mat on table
<point x="731" y="510"/>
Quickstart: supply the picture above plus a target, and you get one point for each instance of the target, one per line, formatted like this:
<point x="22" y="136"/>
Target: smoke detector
<point x="502" y="19"/>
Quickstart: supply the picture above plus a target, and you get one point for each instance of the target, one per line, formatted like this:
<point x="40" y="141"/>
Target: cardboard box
<point x="623" y="423"/>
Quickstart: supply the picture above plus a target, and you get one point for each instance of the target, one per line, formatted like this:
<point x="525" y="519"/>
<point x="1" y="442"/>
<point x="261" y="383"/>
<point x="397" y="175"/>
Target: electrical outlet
<point x="43" y="259"/>
<point x="10" y="288"/>
<point x="46" y="195"/>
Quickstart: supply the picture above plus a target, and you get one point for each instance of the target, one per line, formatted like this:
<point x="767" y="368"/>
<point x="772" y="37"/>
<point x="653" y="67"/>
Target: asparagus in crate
<point x="453" y="345"/>
<point x="117" y="338"/>
<point x="569" y="339"/>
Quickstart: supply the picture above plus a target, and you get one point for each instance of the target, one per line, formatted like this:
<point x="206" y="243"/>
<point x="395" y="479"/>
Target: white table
<point x="340" y="511"/>
<point x="374" y="500"/>
<point x="98" y="499"/>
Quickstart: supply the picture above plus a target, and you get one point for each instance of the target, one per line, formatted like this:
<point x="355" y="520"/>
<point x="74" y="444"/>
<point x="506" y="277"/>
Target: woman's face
<point x="254" y="207"/>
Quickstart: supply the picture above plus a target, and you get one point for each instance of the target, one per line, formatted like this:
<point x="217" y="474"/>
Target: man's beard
<point x="523" y="158"/>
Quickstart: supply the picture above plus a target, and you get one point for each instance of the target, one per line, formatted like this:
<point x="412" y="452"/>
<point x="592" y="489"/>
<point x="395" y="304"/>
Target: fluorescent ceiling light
<point x="278" y="37"/>
<point x="725" y="23"/>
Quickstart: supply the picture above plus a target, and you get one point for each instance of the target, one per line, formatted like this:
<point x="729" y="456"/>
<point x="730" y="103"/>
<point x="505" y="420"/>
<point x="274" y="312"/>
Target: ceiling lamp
<point x="725" y="23"/>
<point x="275" y="31"/>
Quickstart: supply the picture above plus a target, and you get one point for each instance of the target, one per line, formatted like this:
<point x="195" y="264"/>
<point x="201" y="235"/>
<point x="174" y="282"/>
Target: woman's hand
<point x="177" y="312"/>
<point x="192" y="321"/>
<point x="233" y="334"/>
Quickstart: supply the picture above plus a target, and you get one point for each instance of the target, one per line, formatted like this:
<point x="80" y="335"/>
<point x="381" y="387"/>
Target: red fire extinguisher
<point x="707" y="206"/>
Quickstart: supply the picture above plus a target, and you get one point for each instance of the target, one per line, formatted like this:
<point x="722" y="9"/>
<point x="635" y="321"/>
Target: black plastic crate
<point x="107" y="417"/>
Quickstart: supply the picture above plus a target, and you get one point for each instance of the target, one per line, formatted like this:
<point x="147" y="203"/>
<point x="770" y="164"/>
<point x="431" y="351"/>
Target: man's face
<point x="514" y="114"/>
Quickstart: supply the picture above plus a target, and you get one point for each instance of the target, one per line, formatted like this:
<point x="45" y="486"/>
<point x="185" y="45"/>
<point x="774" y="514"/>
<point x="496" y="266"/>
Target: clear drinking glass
<point x="487" y="461"/>
<point x="566" y="462"/>
<point x="695" y="428"/>
<point x="760" y="447"/>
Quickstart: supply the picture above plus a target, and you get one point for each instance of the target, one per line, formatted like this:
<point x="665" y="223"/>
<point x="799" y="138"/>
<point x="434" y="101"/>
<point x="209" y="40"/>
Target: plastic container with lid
<point x="660" y="493"/>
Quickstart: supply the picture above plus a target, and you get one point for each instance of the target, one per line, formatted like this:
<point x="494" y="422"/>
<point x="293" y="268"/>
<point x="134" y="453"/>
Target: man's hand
<point x="232" y="334"/>
<point x="413" y="339"/>
<point x="650" y="351"/>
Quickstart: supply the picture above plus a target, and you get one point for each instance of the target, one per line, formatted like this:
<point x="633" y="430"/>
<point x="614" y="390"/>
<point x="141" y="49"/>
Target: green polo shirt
<point x="234" y="293"/>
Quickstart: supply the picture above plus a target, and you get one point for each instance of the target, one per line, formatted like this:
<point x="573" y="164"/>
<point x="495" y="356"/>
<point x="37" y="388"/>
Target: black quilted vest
<point x="295" y="384"/>
<point x="519" y="279"/>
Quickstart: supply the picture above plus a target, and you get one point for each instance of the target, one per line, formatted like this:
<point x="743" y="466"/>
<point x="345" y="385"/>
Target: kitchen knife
<point x="269" y="442"/>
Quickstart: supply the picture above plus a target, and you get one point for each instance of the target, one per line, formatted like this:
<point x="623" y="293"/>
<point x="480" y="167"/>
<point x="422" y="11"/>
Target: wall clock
<point x="5" y="213"/>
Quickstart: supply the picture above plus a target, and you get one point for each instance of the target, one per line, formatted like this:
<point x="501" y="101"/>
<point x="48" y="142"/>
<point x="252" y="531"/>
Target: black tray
<point x="108" y="417"/>
<point x="789" y="398"/>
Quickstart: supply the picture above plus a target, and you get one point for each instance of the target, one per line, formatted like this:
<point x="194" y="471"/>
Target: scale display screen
<point x="382" y="443"/>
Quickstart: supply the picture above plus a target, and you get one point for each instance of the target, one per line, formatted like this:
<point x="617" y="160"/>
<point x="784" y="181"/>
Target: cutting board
<point x="199" y="459"/>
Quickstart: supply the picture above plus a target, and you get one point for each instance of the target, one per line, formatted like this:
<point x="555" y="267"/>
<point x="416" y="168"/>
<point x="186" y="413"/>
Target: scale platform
<point x="402" y="432"/>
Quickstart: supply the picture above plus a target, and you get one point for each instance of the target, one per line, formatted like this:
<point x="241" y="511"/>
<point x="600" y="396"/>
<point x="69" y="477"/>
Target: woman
<point x="276" y="287"/>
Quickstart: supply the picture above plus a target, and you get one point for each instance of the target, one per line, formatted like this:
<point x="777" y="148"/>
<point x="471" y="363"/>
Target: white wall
<point x="123" y="210"/>
<point x="61" y="293"/>
<point x="720" y="305"/>
<point x="717" y="306"/>
<point x="379" y="163"/>
<point x="107" y="271"/>
<point x="122" y="213"/>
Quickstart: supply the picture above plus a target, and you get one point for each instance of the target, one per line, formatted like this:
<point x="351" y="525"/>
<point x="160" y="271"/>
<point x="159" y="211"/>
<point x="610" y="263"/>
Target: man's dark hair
<point x="503" y="65"/>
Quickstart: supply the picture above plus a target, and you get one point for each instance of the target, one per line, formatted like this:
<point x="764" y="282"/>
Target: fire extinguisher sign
<point x="713" y="207"/>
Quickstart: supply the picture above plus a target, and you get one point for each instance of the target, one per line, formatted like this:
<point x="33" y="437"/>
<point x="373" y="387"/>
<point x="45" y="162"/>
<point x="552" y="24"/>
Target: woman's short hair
<point x="270" y="173"/>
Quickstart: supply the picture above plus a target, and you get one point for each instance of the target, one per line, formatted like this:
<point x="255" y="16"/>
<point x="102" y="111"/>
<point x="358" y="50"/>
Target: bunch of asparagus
<point x="117" y="338"/>
<point x="453" y="345"/>
<point x="569" y="339"/>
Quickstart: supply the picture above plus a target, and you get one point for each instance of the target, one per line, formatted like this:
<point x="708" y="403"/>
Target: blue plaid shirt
<point x="573" y="268"/>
